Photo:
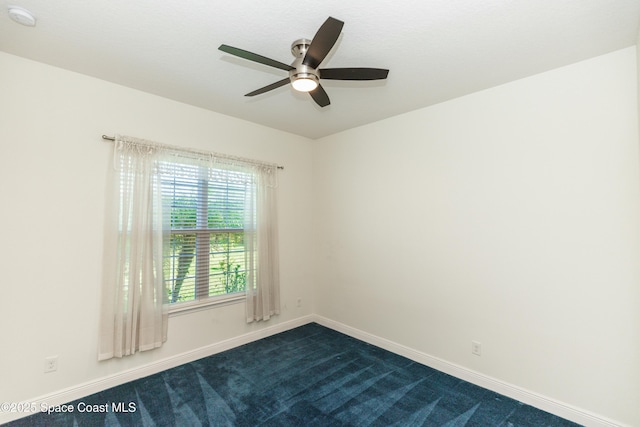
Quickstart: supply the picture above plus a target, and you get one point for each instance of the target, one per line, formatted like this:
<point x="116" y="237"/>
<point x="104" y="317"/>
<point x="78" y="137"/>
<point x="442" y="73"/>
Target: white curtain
<point x="261" y="240"/>
<point x="134" y="308"/>
<point x="134" y="297"/>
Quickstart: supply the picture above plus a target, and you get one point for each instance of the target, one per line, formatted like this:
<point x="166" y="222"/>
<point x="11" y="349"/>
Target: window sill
<point x="189" y="307"/>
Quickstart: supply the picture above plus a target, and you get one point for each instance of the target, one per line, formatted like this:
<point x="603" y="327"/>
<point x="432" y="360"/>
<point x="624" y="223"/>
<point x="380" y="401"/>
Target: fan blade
<point x="245" y="54"/>
<point x="320" y="96"/>
<point x="353" y="73"/>
<point x="270" y="87"/>
<point x="322" y="42"/>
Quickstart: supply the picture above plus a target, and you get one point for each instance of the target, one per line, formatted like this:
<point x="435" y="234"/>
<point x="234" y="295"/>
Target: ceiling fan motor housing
<point x="301" y="71"/>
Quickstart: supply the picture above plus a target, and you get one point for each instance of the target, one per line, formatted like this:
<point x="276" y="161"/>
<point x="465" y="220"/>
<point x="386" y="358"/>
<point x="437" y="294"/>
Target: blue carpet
<point x="308" y="376"/>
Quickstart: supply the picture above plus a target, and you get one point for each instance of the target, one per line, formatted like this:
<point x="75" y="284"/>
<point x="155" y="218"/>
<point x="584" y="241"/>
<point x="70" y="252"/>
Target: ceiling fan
<point x="304" y="74"/>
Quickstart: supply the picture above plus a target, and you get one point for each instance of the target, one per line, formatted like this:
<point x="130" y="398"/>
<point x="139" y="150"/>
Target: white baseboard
<point x="91" y="387"/>
<point x="536" y="400"/>
<point x="530" y="398"/>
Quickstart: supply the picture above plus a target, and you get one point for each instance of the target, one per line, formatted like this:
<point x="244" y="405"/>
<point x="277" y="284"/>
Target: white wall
<point x="511" y="217"/>
<point x="53" y="164"/>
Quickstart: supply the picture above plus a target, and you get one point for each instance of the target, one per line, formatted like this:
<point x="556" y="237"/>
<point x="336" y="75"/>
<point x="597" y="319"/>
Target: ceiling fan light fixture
<point x="304" y="82"/>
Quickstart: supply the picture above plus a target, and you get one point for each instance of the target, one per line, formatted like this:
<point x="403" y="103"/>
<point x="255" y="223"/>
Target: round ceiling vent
<point x="22" y="16"/>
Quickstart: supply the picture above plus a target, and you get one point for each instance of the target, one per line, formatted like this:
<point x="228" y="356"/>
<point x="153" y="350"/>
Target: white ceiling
<point x="435" y="49"/>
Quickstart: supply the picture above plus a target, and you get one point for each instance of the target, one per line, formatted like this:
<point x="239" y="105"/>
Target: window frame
<point x="203" y="234"/>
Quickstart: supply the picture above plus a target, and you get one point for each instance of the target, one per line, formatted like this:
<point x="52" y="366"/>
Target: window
<point x="206" y="249"/>
<point x="184" y="228"/>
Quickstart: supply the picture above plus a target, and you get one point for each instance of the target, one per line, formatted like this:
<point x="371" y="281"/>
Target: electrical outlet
<point x="299" y="302"/>
<point x="51" y="364"/>
<point x="476" y="348"/>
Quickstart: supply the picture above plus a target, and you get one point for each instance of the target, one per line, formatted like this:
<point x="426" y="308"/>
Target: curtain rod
<point x="111" y="138"/>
